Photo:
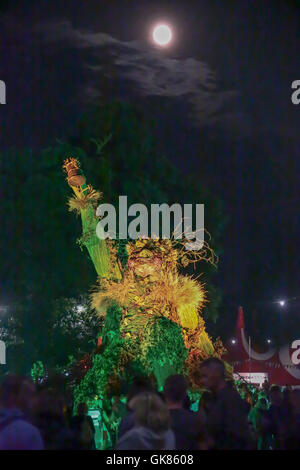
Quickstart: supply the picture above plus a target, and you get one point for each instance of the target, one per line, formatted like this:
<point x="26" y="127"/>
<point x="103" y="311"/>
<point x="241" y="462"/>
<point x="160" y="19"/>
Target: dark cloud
<point x="152" y="73"/>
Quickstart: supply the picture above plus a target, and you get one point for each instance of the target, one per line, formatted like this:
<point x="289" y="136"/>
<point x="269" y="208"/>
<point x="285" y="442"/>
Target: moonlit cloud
<point x="153" y="74"/>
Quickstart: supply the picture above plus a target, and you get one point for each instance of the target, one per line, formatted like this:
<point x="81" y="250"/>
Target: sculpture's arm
<point x="84" y="202"/>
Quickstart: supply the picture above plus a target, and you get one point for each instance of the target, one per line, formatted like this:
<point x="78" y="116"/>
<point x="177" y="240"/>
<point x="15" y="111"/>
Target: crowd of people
<point x="227" y="416"/>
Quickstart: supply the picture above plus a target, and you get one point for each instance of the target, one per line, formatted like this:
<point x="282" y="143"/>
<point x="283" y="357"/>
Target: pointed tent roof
<point x="240" y="319"/>
<point x="277" y="363"/>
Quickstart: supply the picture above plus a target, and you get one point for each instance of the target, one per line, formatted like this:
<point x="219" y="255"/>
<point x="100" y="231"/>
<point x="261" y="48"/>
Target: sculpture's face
<point x="144" y="265"/>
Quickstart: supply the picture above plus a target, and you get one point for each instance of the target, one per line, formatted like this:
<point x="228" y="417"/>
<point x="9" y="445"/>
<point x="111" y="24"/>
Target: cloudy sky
<point x="149" y="72"/>
<point x="221" y="94"/>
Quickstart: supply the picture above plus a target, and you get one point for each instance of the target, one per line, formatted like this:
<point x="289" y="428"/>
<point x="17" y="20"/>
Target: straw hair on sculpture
<point x="182" y="294"/>
<point x="92" y="197"/>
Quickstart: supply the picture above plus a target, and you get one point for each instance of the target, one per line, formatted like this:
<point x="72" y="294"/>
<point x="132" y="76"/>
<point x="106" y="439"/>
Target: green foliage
<point x="194" y="396"/>
<point x="38" y="245"/>
<point x="112" y="324"/>
<point x="95" y="382"/>
<point x="122" y="252"/>
<point x="37" y="371"/>
<point x="75" y="329"/>
<point x="165" y="353"/>
<point x="105" y="364"/>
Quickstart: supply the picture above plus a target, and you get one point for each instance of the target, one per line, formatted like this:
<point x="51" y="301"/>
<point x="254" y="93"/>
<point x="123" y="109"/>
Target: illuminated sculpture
<point x="152" y="313"/>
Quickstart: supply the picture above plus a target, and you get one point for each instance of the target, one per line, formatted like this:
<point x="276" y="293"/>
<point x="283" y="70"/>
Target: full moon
<point x="162" y="34"/>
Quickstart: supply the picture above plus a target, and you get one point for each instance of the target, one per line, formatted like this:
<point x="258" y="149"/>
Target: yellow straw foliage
<point x="78" y="204"/>
<point x="180" y="292"/>
<point x="168" y="294"/>
<point x="204" y="343"/>
<point x="111" y="290"/>
<point x="188" y="316"/>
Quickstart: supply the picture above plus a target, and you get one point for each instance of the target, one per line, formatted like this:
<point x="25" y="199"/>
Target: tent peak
<point x="240" y="319"/>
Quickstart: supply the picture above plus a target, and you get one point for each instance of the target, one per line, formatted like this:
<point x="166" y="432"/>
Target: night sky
<point x="221" y="97"/>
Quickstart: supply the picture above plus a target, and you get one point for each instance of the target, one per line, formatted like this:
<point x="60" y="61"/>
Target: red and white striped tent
<point x="279" y="366"/>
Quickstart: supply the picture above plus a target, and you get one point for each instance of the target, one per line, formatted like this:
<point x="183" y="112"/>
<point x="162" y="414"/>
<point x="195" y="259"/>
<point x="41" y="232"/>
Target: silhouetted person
<point x="265" y="387"/>
<point x="138" y="386"/>
<point x="292" y="441"/>
<point x="275" y="426"/>
<point x="84" y="428"/>
<point x="187" y="403"/>
<point x="152" y="425"/>
<point x="16" y="430"/>
<point x="257" y="417"/>
<point x="188" y="426"/>
<point x="227" y="419"/>
<point x="206" y="401"/>
<point x="52" y="424"/>
<point x="286" y="400"/>
<point x="246" y="396"/>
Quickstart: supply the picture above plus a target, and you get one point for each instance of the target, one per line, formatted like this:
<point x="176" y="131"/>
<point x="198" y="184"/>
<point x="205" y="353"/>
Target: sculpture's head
<point x="145" y="264"/>
<point x="149" y="257"/>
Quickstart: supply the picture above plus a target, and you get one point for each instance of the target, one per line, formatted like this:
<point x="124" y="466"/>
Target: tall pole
<point x="249" y="349"/>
